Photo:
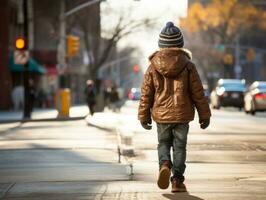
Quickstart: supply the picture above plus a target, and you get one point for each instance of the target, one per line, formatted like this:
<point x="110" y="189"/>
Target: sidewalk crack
<point x="4" y="194"/>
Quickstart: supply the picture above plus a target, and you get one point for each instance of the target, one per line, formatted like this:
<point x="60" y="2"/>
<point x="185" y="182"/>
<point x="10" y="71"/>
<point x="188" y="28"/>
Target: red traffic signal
<point x="136" y="69"/>
<point x="20" y="44"/>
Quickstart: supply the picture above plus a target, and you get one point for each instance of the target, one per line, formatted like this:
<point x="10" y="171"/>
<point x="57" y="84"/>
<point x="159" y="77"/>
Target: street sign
<point x="21" y="57"/>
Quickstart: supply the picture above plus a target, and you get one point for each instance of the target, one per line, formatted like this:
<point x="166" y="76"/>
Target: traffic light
<point x="72" y="45"/>
<point x="20" y="44"/>
<point x="251" y="54"/>
<point x="136" y="69"/>
<point x="228" y="59"/>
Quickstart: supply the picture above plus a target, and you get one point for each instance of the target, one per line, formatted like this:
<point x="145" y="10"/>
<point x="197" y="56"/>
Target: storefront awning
<point x="34" y="66"/>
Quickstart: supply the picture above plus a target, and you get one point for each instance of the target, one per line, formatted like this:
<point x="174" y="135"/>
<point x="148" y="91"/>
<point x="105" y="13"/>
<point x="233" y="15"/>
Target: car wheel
<point x="253" y="111"/>
<point x="218" y="106"/>
<point x="245" y="109"/>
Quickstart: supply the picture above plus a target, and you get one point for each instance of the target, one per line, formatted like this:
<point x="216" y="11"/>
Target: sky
<point x="161" y="11"/>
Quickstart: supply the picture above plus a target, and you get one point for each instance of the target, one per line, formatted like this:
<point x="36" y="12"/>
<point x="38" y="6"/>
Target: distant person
<point x="107" y="92"/>
<point x="32" y="94"/>
<point x="18" y="97"/>
<point x="41" y="97"/>
<point x="170" y="91"/>
<point x="114" y="99"/>
<point x="90" y="96"/>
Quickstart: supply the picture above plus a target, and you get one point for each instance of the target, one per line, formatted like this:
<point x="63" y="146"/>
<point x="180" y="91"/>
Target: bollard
<point x="63" y="102"/>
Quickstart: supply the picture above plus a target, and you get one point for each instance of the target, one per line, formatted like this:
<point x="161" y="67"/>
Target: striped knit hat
<point x="170" y="36"/>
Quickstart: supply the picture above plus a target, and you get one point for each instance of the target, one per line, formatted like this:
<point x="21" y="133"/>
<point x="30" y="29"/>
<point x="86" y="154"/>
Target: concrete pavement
<point x="71" y="160"/>
<point x="50" y="152"/>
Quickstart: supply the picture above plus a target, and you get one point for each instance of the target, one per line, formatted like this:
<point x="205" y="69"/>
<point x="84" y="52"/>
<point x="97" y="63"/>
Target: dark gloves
<point x="204" y="123"/>
<point x="146" y="125"/>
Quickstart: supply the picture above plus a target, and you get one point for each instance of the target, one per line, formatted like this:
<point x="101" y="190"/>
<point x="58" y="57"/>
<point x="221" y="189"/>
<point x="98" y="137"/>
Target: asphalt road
<point x="78" y="159"/>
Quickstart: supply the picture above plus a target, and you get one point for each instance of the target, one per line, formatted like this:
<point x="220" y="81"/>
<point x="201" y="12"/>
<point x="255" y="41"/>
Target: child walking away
<point x="170" y="91"/>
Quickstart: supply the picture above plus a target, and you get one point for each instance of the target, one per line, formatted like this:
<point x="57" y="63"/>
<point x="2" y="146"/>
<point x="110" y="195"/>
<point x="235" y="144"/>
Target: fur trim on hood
<point x="185" y="51"/>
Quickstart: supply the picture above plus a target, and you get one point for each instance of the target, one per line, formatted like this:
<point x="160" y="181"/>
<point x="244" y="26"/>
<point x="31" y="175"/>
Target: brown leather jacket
<point x="171" y="89"/>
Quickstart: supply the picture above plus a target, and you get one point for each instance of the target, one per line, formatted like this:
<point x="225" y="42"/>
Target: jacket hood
<point x="170" y="62"/>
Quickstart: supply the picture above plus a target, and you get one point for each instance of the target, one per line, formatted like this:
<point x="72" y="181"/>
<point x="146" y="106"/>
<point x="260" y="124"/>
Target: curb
<point x="125" y="142"/>
<point x="42" y="120"/>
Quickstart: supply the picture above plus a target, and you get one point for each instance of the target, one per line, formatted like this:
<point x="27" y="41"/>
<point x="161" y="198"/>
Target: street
<point x="79" y="159"/>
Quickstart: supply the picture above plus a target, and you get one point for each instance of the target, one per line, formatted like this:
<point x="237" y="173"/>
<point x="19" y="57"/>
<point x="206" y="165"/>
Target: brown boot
<point x="178" y="186"/>
<point x="164" y="176"/>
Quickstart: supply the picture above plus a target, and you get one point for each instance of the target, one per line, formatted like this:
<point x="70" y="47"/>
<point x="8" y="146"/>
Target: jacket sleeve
<point x="197" y="93"/>
<point x="147" y="97"/>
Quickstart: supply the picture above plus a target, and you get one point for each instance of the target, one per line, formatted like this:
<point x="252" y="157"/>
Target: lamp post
<point x="27" y="110"/>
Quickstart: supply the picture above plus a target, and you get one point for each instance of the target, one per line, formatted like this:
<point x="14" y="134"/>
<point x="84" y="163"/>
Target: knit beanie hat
<point x="170" y="36"/>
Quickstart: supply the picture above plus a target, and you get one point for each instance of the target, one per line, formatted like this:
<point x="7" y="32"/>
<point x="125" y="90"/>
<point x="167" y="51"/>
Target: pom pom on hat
<point x="169" y="24"/>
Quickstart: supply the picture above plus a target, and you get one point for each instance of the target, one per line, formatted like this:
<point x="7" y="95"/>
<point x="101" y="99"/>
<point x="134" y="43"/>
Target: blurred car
<point x="228" y="92"/>
<point x="255" y="97"/>
<point x="134" y="94"/>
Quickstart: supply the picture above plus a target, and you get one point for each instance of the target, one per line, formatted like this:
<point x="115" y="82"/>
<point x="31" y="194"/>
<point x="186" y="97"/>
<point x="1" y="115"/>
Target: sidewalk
<point x="78" y="160"/>
<point x="133" y="190"/>
<point x="57" y="160"/>
<point x="76" y="112"/>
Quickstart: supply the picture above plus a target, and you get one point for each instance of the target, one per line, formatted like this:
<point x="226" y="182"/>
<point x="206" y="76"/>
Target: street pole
<point x="61" y="52"/>
<point x="27" y="111"/>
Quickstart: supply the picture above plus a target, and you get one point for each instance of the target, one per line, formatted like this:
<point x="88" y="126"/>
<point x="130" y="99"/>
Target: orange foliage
<point x="226" y="17"/>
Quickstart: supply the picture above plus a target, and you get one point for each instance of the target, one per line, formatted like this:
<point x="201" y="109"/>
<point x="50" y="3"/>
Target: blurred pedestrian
<point x="90" y="96"/>
<point x="114" y="99"/>
<point x="107" y="92"/>
<point x="18" y="97"/>
<point x="170" y="91"/>
<point x="32" y="95"/>
<point x="41" y="98"/>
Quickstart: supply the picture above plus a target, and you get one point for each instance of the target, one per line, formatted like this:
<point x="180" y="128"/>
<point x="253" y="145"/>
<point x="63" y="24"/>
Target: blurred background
<point x="109" y="41"/>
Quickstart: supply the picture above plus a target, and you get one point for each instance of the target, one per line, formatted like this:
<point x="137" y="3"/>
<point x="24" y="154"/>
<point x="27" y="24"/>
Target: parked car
<point x="255" y="97"/>
<point x="228" y="92"/>
<point x="134" y="94"/>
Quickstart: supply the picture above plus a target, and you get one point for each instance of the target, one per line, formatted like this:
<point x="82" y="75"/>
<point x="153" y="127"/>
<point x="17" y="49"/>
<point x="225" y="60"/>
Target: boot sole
<point x="164" y="178"/>
<point x="179" y="190"/>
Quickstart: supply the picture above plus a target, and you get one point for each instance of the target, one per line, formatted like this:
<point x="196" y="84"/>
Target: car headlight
<point x="220" y="91"/>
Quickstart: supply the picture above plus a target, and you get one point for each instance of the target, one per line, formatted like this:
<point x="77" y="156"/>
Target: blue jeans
<point x="173" y="135"/>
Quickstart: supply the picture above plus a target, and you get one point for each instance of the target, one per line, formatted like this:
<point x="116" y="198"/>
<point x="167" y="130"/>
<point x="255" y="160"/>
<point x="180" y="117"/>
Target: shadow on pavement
<point x="183" y="196"/>
<point x="13" y="128"/>
<point x="100" y="127"/>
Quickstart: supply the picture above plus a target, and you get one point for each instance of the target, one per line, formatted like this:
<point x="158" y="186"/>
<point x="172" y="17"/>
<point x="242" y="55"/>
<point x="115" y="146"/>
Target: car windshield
<point x="262" y="86"/>
<point x="233" y="86"/>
